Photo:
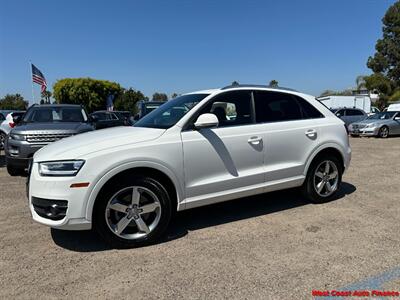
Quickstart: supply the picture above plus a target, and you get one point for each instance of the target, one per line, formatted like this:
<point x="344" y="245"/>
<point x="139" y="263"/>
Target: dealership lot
<point x="275" y="245"/>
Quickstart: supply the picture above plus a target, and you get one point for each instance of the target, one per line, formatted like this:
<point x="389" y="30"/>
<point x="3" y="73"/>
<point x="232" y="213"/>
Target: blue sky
<point x="181" y="46"/>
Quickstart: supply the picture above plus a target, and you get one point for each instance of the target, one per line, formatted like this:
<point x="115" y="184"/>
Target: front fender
<point x="130" y="165"/>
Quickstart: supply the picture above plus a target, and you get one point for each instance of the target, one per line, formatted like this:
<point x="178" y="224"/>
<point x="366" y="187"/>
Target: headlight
<point x="371" y="125"/>
<point x="17" y="137"/>
<point x="60" y="168"/>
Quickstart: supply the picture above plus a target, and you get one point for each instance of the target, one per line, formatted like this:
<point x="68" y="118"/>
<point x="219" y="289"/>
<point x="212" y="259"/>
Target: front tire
<point x="383" y="132"/>
<point x="14" y="171"/>
<point x="132" y="213"/>
<point x="323" y="179"/>
<point x="2" y="139"/>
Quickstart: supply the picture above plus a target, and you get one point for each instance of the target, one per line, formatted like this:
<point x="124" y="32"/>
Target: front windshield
<point x="55" y="114"/>
<point x="168" y="114"/>
<point x="382" y="115"/>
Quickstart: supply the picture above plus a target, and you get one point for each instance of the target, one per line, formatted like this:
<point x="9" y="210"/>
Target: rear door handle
<point x="311" y="133"/>
<point x="254" y="140"/>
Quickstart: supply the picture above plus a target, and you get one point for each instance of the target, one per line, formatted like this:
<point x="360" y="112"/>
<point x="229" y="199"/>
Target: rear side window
<point x="275" y="107"/>
<point x="308" y="110"/>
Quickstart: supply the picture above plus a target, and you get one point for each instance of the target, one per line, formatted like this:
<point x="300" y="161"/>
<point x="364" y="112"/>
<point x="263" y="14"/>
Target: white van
<point x="394" y="107"/>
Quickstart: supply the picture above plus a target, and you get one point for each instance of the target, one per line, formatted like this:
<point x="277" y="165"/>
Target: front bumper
<point x="364" y="131"/>
<point x="20" y="149"/>
<point x="59" y="206"/>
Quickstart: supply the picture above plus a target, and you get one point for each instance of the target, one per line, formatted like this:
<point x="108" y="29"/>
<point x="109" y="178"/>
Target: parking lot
<point x="270" y="246"/>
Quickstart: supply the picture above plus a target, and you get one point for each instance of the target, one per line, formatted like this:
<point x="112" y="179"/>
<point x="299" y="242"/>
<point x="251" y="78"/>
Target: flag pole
<point x="33" y="94"/>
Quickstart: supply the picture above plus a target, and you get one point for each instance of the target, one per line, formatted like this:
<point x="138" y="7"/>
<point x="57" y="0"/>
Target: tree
<point x="13" y="102"/>
<point x="46" y="95"/>
<point x="127" y="100"/>
<point x="360" y="83"/>
<point x="91" y="93"/>
<point x="159" y="97"/>
<point x="386" y="61"/>
<point x="174" y="95"/>
<point x="273" y="83"/>
<point x="234" y="83"/>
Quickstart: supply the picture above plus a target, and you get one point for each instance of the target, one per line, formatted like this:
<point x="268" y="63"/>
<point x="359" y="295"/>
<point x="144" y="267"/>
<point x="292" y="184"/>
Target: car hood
<point x="369" y="121"/>
<point x="56" y="126"/>
<point x="82" y="144"/>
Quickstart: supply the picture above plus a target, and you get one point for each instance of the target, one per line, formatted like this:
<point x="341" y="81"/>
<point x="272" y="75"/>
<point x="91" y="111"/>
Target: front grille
<point x="359" y="126"/>
<point x="46" y="138"/>
<point x="50" y="209"/>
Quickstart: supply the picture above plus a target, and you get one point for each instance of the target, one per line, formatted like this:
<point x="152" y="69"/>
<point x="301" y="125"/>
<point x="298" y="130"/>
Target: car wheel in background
<point x="15" y="171"/>
<point x="132" y="213"/>
<point x="323" y="179"/>
<point x="383" y="132"/>
<point x="2" y="139"/>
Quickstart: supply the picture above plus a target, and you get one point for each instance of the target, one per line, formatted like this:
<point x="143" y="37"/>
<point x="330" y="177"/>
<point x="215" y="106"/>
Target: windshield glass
<point x="55" y="114"/>
<point x="382" y="115"/>
<point x="168" y="114"/>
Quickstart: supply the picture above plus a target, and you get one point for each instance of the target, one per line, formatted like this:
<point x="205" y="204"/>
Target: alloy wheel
<point x="384" y="132"/>
<point x="133" y="212"/>
<point x="326" y="178"/>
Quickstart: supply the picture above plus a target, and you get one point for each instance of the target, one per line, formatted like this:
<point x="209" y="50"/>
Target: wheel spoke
<point x="142" y="225"/>
<point x="327" y="167"/>
<point x="319" y="174"/>
<point x="149" y="207"/>
<point x="135" y="196"/>
<point x="320" y="186"/>
<point x="333" y="175"/>
<point x="328" y="187"/>
<point x="118" y="207"/>
<point x="122" y="224"/>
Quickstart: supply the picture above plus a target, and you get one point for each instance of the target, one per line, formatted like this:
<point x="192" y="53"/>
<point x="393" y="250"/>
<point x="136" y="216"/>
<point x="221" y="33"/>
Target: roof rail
<point x="257" y="86"/>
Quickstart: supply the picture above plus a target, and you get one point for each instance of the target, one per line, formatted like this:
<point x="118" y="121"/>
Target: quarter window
<point x="275" y="107"/>
<point x="309" y="111"/>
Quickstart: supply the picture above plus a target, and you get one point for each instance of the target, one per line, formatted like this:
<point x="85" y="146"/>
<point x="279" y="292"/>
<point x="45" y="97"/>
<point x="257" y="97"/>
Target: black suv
<point x="105" y="119"/>
<point x="41" y="125"/>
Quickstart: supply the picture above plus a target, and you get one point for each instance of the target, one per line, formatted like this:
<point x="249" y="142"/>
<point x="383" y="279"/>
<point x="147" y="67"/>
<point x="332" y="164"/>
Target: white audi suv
<point x="198" y="149"/>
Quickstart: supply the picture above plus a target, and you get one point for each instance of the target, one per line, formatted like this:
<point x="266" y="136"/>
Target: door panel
<point x="222" y="159"/>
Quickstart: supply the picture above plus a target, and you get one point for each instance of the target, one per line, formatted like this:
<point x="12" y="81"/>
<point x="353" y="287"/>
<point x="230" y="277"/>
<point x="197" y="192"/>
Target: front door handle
<point x="312" y="133"/>
<point x="254" y="140"/>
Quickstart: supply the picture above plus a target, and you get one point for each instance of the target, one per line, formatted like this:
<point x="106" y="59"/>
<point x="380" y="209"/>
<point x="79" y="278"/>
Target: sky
<point x="182" y="46"/>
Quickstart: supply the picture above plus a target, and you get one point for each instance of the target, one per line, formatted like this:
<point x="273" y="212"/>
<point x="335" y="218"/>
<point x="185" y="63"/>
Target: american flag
<point x="38" y="77"/>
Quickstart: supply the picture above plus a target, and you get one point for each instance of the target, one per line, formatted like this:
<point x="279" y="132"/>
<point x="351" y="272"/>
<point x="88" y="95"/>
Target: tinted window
<point x="275" y="107"/>
<point x="353" y="112"/>
<point x="231" y="108"/>
<point x="339" y="113"/>
<point x="2" y="117"/>
<point x="309" y="111"/>
<point x="55" y="114"/>
<point x="101" y="116"/>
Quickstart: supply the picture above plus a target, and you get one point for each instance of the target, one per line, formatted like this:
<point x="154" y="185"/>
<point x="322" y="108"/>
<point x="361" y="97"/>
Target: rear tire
<point x="132" y="212"/>
<point x="322" y="182"/>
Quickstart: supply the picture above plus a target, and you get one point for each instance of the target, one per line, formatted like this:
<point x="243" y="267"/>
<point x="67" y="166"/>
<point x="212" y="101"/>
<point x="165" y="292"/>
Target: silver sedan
<point x="380" y="124"/>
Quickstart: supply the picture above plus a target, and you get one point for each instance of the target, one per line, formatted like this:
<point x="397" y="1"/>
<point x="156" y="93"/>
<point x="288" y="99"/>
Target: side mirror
<point x="16" y="119"/>
<point x="93" y="119"/>
<point x="206" y="121"/>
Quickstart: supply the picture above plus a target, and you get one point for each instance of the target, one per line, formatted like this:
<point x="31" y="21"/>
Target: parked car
<point x="127" y="182"/>
<point x="41" y="125"/>
<point x="393" y="107"/>
<point x="146" y="107"/>
<point x="105" y="119"/>
<point x="381" y="124"/>
<point x="7" y="124"/>
<point x="350" y="115"/>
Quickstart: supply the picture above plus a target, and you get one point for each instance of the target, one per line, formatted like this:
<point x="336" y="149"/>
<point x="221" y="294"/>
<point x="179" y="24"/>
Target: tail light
<point x="12" y="124"/>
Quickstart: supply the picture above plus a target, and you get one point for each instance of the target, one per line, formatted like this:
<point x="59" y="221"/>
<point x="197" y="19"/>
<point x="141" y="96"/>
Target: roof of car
<point x="57" y="105"/>
<point x="243" y="86"/>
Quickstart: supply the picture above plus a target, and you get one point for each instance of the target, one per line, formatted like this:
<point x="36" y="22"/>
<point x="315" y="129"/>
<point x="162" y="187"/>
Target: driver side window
<point x="231" y="108"/>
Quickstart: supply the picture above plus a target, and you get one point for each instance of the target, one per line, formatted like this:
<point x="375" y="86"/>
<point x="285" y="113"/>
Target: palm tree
<point x="360" y="83"/>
